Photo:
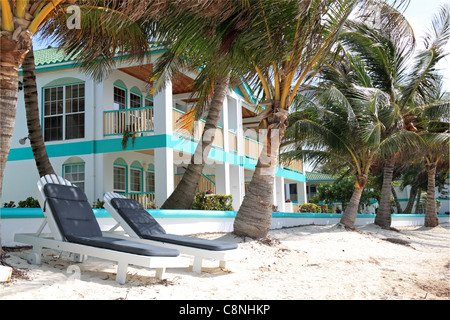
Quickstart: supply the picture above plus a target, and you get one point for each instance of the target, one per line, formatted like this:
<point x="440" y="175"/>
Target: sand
<point x="308" y="262"/>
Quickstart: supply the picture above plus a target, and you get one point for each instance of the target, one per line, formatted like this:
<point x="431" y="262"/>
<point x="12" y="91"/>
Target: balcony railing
<point x="140" y="120"/>
<point x="137" y="120"/>
<point x="147" y="199"/>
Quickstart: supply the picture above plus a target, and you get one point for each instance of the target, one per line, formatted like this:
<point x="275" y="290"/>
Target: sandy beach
<point x="301" y="263"/>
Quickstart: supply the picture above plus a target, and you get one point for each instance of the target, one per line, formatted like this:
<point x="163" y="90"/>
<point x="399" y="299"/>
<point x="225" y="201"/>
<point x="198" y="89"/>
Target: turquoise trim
<point x="68" y="149"/>
<point x="36" y="213"/>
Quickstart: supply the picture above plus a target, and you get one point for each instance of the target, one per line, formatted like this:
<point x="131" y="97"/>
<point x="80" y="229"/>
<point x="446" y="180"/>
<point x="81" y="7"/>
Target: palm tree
<point x="20" y="21"/>
<point x="346" y="122"/>
<point x="41" y="158"/>
<point x="91" y="11"/>
<point x="297" y="39"/>
<point x="434" y="129"/>
<point x="386" y="50"/>
<point x="195" y="39"/>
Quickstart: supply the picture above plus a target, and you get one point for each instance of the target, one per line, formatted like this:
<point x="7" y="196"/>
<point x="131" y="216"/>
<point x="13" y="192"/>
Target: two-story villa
<point x="84" y="122"/>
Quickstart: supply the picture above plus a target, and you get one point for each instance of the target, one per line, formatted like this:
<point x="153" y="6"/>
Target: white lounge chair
<point x="75" y="229"/>
<point x="139" y="225"/>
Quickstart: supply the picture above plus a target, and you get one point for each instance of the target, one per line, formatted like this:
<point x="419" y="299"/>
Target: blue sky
<point x="419" y="14"/>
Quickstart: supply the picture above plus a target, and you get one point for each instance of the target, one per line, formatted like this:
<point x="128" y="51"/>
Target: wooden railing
<point x="206" y="183"/>
<point x="147" y="199"/>
<point x="196" y="131"/>
<point x="137" y="120"/>
<point x="140" y="120"/>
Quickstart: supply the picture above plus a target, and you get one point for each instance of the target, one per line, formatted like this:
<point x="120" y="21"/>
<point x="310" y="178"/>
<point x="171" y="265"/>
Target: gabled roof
<point x="313" y="176"/>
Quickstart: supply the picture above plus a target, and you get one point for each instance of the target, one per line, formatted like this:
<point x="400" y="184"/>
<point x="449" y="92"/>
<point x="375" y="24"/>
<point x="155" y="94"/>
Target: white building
<point x="84" y="121"/>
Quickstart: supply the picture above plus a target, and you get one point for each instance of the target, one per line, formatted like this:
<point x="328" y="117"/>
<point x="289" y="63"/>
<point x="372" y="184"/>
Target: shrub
<point x="10" y="204"/>
<point x="29" y="202"/>
<point x="220" y="202"/>
<point x="310" y="208"/>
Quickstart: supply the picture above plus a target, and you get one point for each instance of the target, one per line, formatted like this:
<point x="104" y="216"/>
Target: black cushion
<point x="125" y="246"/>
<point x="72" y="211"/>
<point x="137" y="217"/>
<point x="213" y="245"/>
<point x="147" y="227"/>
<point x="77" y="223"/>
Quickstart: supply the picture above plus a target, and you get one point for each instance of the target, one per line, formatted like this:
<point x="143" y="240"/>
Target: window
<point x="149" y="181"/>
<point x="135" y="101"/>
<point x="148" y="102"/>
<point x="120" y="98"/>
<point x="135" y="180"/>
<point x="120" y="178"/>
<point x="75" y="111"/>
<point x="64" y="109"/>
<point x="74" y="173"/>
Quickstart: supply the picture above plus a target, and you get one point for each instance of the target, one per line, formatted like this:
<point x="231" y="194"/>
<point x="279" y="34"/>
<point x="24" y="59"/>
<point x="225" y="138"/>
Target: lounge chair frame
<point x="197" y="253"/>
<point x="55" y="240"/>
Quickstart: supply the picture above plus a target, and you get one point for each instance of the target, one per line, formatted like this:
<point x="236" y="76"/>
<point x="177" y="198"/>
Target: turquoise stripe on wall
<point x="36" y="213"/>
<point x="143" y="143"/>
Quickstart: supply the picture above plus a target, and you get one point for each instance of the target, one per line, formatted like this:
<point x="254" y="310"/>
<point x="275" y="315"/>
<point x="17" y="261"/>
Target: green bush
<point x="29" y="202"/>
<point x="218" y="202"/>
<point x="310" y="208"/>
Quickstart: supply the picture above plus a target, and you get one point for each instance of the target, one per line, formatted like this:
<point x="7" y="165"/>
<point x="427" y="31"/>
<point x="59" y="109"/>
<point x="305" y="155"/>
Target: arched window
<point x="120" y="176"/>
<point x="74" y="171"/>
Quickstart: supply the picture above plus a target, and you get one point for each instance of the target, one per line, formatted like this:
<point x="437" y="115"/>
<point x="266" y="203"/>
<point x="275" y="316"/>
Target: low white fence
<point x="192" y="221"/>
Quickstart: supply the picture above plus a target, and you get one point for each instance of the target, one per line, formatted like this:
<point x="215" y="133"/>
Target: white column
<point x="301" y="193"/>
<point x="278" y="193"/>
<point x="163" y="124"/>
<point x="237" y="185"/>
<point x="237" y="177"/>
<point x="222" y="170"/>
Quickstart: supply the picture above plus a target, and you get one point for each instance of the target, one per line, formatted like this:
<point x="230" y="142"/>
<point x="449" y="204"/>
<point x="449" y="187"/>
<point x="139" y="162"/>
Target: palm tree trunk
<point x="397" y="203"/>
<point x="351" y="212"/>
<point x="383" y="217"/>
<point x="431" y="218"/>
<point x="412" y="197"/>
<point x="255" y="213"/>
<point x="183" y="195"/>
<point x="11" y="56"/>
<point x="419" y="196"/>
<point x="33" y="121"/>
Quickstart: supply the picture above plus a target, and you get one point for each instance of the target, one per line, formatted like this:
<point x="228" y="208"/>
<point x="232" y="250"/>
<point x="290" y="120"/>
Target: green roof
<point x="49" y="55"/>
<point x="313" y="176"/>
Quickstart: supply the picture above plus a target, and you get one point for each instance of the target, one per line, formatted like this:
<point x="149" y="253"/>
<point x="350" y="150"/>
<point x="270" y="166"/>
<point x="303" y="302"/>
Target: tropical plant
<point x="295" y="42"/>
<point x="434" y="129"/>
<point x="347" y="121"/>
<point x="386" y="51"/>
<point x="20" y="21"/>
<point x="40" y="155"/>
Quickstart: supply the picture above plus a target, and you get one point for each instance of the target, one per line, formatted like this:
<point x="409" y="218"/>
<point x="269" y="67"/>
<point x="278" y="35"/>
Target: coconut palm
<point x="20" y="21"/>
<point x="91" y="11"/>
<point x="344" y="121"/>
<point x="41" y="158"/>
<point x="386" y="50"/>
<point x="434" y="129"/>
<point x="296" y="41"/>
